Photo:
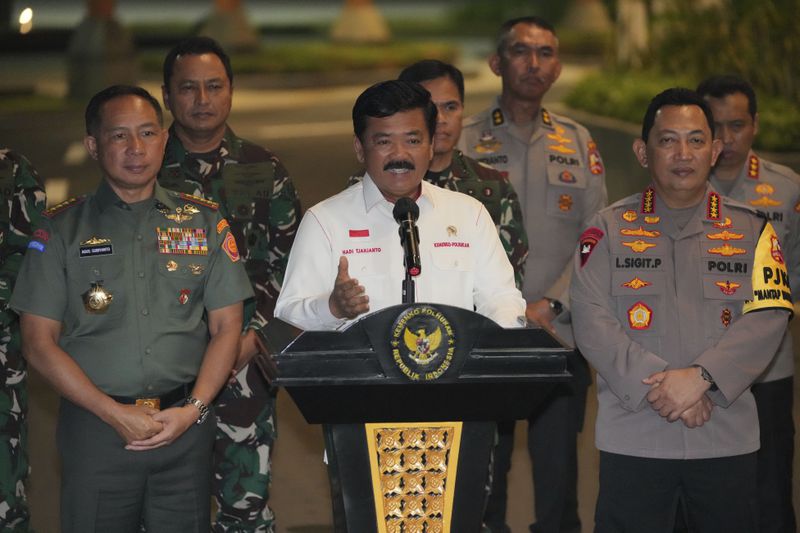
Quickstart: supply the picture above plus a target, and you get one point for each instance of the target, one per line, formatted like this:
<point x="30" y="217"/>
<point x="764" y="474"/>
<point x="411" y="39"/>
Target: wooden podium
<point x="408" y="397"/>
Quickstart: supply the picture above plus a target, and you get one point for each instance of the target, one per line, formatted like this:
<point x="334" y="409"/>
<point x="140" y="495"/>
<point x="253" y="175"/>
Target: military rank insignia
<point x="726" y="317"/>
<point x="497" y="117"/>
<point x="752" y="167"/>
<point x="221" y="225"/>
<point x="186" y="241"/>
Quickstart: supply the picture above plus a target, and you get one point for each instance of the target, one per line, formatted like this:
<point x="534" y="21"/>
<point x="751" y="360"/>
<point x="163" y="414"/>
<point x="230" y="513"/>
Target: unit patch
<point x="770" y="278"/>
<point x="221" y="225"/>
<point x="595" y="161"/>
<point x="588" y="241"/>
<point x="229" y="245"/>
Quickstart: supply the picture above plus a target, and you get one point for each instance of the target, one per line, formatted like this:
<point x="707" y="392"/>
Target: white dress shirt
<point x="463" y="261"/>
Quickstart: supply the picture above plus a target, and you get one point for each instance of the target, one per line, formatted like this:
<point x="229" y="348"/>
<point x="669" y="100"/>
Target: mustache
<point x="399" y="165"/>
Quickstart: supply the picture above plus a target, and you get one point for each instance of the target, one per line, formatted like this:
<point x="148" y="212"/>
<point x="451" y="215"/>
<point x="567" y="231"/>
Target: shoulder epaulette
<point x="782" y="170"/>
<point x="198" y="200"/>
<point x="63" y="206"/>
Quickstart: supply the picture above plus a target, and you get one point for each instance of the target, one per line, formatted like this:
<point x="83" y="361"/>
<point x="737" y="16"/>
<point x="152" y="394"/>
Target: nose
<point x="135" y="145"/>
<point x="724" y="134"/>
<point x="684" y="150"/>
<point x="202" y="95"/>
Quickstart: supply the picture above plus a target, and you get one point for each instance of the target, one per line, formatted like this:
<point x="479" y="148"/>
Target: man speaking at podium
<point x="348" y="259"/>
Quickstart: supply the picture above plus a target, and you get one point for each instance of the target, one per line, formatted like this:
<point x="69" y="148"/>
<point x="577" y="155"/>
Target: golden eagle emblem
<point x="421" y="345"/>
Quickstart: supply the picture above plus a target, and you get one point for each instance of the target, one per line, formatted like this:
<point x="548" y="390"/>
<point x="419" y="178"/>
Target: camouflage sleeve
<point x="26" y="204"/>
<point x="283" y="220"/>
<point x="509" y="223"/>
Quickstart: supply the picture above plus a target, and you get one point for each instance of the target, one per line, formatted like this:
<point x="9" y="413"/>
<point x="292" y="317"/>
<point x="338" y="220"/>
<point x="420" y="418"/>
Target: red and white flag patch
<point x="588" y="241"/>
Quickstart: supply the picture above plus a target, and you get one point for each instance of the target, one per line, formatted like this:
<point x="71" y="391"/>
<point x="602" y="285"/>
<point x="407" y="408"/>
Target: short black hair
<point x="196" y="46"/>
<point x="431" y="69"/>
<point x="723" y="85"/>
<point x="386" y="98"/>
<point x="95" y="105"/>
<point x="501" y="39"/>
<point x="677" y="96"/>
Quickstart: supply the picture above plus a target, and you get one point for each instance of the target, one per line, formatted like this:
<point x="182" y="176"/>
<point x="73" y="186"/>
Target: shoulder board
<point x="197" y="200"/>
<point x="729" y="202"/>
<point x="781" y="170"/>
<point x="63" y="206"/>
<point x="476" y="119"/>
<point x="634" y="199"/>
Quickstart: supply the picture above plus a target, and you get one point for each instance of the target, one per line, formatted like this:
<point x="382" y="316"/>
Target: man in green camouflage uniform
<point x="451" y="169"/>
<point x="204" y="157"/>
<point x="23" y="203"/>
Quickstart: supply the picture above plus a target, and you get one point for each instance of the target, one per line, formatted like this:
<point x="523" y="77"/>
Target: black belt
<point x="181" y="392"/>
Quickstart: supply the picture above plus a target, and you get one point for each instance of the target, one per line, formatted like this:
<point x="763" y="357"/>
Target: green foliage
<point x="479" y="17"/>
<point x="625" y="96"/>
<point x="756" y="39"/>
<point x="324" y="56"/>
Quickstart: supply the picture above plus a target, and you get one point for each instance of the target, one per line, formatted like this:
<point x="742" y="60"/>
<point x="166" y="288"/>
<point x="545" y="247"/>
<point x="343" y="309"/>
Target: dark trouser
<point x="642" y="494"/>
<point x="552" y="444"/>
<point x="106" y="488"/>
<point x="774" y="400"/>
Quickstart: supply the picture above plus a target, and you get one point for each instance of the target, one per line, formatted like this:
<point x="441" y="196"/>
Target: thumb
<point x="342" y="274"/>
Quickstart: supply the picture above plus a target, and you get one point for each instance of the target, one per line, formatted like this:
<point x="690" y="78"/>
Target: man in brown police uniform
<point x="774" y="191"/>
<point x="680" y="298"/>
<point x="556" y="169"/>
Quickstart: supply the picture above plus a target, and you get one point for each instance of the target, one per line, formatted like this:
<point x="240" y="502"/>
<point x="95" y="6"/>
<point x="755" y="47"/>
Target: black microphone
<point x="406" y="213"/>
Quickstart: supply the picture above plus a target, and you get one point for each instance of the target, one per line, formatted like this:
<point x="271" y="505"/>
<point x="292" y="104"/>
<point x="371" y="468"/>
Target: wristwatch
<point x="203" y="408"/>
<point x="707" y="377"/>
<point x="555" y="306"/>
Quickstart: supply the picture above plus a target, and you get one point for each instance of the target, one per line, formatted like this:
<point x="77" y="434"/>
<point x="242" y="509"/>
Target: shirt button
<point x="147" y="351"/>
<point x="145" y="312"/>
<point x="627" y="397"/>
<point x="138" y="237"/>
<point x="149" y="387"/>
<point x="141" y="274"/>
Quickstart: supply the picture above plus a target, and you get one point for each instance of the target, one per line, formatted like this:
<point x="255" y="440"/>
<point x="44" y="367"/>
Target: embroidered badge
<point x="487" y="144"/>
<point x="639" y="316"/>
<point x="595" y="161"/>
<point x="649" y="201"/>
<point x="187" y="241"/>
<point x="172" y="266"/>
<point x="497" y="117"/>
<point x="558" y="136"/>
<point x="636" y="283"/>
<point x="565" y="202"/>
<point x="775" y="249"/>
<point x="561" y="149"/>
<point x="725" y="236"/>
<point x="712" y="207"/>
<point x="546" y="118"/>
<point x="221" y="225"/>
<point x="726" y="317"/>
<point x="567" y="177"/>
<point x="765" y="201"/>
<point x="359" y="233"/>
<point x="630" y="215"/>
<point x="183" y="297"/>
<point x="724" y="224"/>
<point x="42" y="235"/>
<point x="765" y="189"/>
<point x="195" y="269"/>
<point x="639" y="232"/>
<point x="652" y="220"/>
<point x="452" y="231"/>
<point x="727" y="250"/>
<point x="588" y="241"/>
<point x="229" y="245"/>
<point x="752" y="167"/>
<point x="727" y="287"/>
<point x="639" y="245"/>
<point x="36" y="245"/>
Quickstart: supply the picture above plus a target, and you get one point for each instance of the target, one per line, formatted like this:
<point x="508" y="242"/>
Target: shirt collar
<point x="373" y="196"/>
<point x="106" y="197"/>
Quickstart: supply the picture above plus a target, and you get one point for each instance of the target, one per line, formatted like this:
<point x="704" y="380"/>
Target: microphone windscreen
<point x="404" y="207"/>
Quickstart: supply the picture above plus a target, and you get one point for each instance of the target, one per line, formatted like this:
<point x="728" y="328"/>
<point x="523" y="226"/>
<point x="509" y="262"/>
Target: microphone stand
<point x="408" y="289"/>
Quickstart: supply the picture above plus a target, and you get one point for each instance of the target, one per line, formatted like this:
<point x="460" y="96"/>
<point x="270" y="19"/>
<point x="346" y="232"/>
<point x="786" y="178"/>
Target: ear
<point x="640" y="151"/>
<point x="494" y="64"/>
<point x="90" y="143"/>
<point x="755" y="124"/>
<point x="557" y="72"/>
<point x="165" y="97"/>
<point x="716" y="149"/>
<point x="359" y="149"/>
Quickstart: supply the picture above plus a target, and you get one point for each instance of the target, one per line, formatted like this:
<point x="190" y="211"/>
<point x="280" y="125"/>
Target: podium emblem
<point x="423" y="343"/>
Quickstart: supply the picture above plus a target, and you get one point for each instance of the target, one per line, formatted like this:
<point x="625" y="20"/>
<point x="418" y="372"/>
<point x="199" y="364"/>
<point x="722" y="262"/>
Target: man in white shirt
<point x="347" y="258"/>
